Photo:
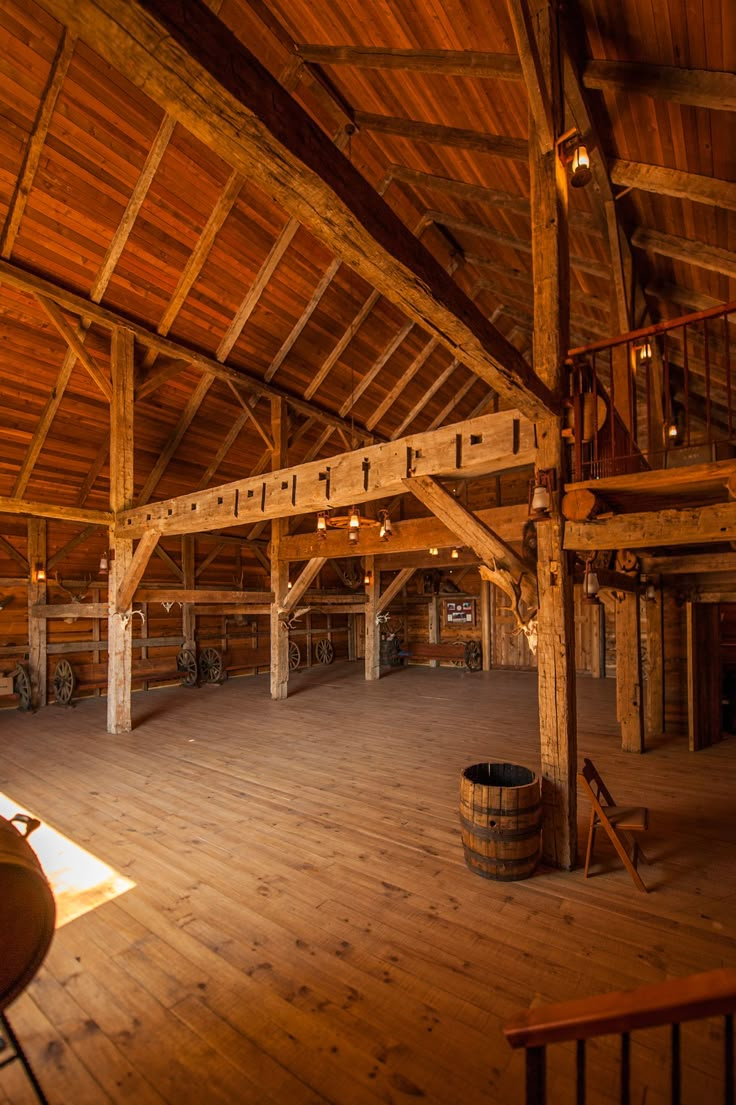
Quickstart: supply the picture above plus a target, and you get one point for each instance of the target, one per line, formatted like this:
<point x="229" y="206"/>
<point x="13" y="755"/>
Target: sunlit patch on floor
<point x="79" y="880"/>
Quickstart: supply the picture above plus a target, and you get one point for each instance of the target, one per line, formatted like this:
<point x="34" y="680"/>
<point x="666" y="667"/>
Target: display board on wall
<point x="459" y="611"/>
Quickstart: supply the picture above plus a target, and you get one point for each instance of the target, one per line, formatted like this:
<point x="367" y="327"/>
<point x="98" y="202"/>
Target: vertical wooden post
<point x="629" y="691"/>
<point x="654" y="670"/>
<point x="188" y="610"/>
<point x="486" y="623"/>
<point x="37" y="659"/>
<point x="372" y="629"/>
<point x="119" y="628"/>
<point x="279" y="566"/>
<point x="598" y="641"/>
<point x="556" y="640"/>
<point x="433" y="625"/>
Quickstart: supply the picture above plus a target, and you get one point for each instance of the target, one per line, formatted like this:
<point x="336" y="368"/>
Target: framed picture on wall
<point x="459" y="611"/>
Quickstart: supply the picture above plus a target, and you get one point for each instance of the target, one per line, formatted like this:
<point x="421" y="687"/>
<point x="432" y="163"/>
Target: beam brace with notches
<point x="479" y="446"/>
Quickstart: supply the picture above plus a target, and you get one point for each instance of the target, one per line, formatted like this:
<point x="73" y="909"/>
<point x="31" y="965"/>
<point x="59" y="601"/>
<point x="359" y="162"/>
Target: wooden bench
<point x="461" y="653"/>
<point x="68" y="679"/>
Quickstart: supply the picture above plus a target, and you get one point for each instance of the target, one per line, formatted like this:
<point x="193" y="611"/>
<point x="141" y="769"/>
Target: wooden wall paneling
<point x="629" y="682"/>
<point x="279" y="566"/>
<point x="702" y="622"/>
<point x="119" y="628"/>
<point x="37" y="626"/>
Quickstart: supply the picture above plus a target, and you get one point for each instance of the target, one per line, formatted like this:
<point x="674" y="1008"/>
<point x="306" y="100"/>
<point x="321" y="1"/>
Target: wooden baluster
<point x="536" y="1082"/>
<point x="580" y="1072"/>
<point x="612" y="463"/>
<point x="675" y="1064"/>
<point x="625" y="1069"/>
<point x="728" y="1095"/>
<point x="706" y="357"/>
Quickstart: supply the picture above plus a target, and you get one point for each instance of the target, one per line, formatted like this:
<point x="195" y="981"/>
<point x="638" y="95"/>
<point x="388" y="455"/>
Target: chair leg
<point x="591" y="842"/>
<point x="21" y="1056"/>
<point x="621" y="849"/>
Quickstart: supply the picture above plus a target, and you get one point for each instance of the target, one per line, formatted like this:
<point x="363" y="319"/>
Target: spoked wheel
<point x="22" y="687"/>
<point x="186" y="663"/>
<point x="294" y="656"/>
<point x="325" y="651"/>
<point x="210" y="665"/>
<point x="64" y="682"/>
<point x="473" y="656"/>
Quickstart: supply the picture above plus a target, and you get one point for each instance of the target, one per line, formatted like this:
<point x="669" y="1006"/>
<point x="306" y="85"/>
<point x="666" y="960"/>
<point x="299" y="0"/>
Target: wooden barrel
<point x="27" y="913"/>
<point x="501" y="819"/>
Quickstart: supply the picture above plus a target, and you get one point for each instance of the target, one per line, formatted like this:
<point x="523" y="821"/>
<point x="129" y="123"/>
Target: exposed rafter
<point x="699" y="87"/>
<point x="450" y="63"/>
<point x="204" y="76"/>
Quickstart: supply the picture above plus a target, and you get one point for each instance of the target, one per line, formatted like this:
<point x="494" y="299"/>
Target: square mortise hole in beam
<point x="476" y="439"/>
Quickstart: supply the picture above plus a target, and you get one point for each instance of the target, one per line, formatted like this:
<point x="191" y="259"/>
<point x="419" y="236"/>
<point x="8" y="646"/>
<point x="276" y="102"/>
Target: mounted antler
<point x="73" y="597"/>
<point x="503" y="578"/>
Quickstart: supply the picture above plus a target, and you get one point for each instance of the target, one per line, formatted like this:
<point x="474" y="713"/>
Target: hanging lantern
<point x="580" y="165"/>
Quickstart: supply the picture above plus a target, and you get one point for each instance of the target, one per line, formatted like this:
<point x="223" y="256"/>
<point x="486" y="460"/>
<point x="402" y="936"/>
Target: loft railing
<point x="712" y="994"/>
<point x="656" y="397"/>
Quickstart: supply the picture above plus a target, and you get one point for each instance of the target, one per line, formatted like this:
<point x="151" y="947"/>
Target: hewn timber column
<point x="486" y="623"/>
<point x="119" y="628"/>
<point x="654" y="669"/>
<point x="433" y="625"/>
<point x="37" y="660"/>
<point x="279" y="567"/>
<point x="189" y="581"/>
<point x="372" y="628"/>
<point x="550" y="262"/>
<point x="629" y="694"/>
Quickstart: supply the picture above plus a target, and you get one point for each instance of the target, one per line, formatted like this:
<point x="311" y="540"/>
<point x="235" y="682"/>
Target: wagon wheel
<point x="392" y="651"/>
<point x="186" y="663"/>
<point x="473" y="656"/>
<point x="22" y="687"/>
<point x="210" y="665"/>
<point x="64" y="682"/>
<point x="325" y="651"/>
<point x="294" y="655"/>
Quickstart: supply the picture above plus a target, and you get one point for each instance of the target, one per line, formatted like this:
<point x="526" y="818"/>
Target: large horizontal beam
<point x="183" y="57"/>
<point x="492" y="443"/>
<point x="173" y="594"/>
<point x="674" y="182"/>
<point x="36" y="509"/>
<point x="689" y="563"/>
<point x="654" y="529"/>
<point x="690" y="252"/>
<point x="499" y="145"/>
<point x="412" y="536"/>
<point x="16" y="277"/>
<point x="700" y="87"/>
<point x="450" y="63"/>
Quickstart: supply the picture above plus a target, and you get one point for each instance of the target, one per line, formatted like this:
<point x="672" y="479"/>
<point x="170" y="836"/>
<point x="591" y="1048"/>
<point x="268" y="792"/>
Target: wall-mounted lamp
<point x="105" y="561"/>
<point x="591" y="586"/>
<point x="386" y="529"/>
<point x="40" y="574"/>
<point x="455" y="554"/>
<point x="433" y="550"/>
<point x="289" y="585"/>
<point x="367" y="579"/>
<point x="541" y="487"/>
<point x="643" y="352"/>
<point x="580" y="166"/>
<point x="322" y="526"/>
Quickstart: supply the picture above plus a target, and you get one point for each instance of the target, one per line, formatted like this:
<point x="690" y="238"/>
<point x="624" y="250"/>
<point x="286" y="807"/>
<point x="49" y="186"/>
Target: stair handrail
<point x="709" y="994"/>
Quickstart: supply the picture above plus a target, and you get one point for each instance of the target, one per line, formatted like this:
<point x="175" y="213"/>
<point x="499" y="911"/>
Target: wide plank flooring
<point x="303" y="928"/>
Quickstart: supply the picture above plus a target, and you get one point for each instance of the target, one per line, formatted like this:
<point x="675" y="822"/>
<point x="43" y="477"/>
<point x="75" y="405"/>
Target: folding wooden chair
<point x="619" y="822"/>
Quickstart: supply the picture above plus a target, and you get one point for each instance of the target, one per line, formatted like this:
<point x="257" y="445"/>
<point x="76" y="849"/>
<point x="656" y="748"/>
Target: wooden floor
<point x="303" y="928"/>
